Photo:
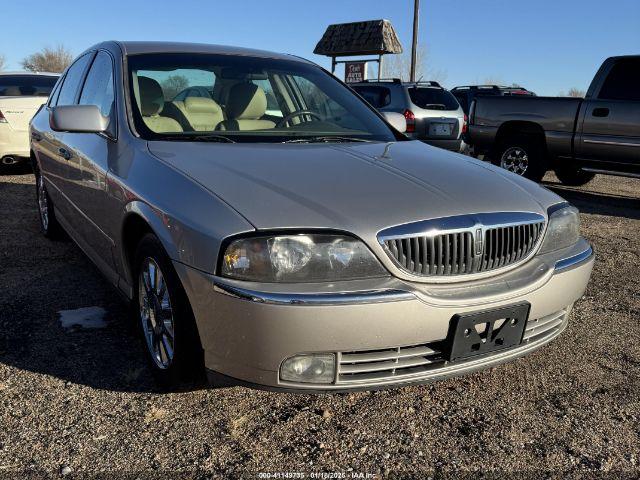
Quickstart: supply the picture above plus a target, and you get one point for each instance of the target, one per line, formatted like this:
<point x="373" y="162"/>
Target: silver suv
<point x="433" y="114"/>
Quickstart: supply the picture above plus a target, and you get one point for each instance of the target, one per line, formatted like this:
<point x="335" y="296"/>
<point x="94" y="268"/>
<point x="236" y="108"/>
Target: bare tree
<point x="2" y="62"/>
<point x="573" y="92"/>
<point x="48" y="60"/>
<point x="173" y="85"/>
<point x="399" y="66"/>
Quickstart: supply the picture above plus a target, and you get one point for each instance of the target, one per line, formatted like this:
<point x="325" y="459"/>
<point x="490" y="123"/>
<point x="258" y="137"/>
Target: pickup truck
<point x="576" y="137"/>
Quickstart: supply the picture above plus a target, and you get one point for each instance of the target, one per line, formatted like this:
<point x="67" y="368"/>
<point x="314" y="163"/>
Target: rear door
<point x="88" y="164"/>
<point x="610" y="123"/>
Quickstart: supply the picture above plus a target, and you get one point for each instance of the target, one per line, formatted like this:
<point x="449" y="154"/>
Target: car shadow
<point x="38" y="279"/>
<point x="592" y="201"/>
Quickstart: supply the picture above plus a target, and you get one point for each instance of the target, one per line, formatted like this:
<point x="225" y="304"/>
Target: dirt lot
<point x="82" y="401"/>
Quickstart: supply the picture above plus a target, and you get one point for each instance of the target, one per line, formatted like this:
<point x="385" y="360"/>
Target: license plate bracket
<point x="473" y="334"/>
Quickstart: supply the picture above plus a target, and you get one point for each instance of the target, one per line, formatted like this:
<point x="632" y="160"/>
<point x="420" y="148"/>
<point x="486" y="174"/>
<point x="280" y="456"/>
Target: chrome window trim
<point x="314" y="299"/>
<point x="470" y="223"/>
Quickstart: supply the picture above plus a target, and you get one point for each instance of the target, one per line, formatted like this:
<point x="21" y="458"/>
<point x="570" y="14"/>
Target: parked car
<point x="576" y="137"/>
<point x="320" y="250"/>
<point x="433" y="114"/>
<point x="467" y="94"/>
<point x="21" y="94"/>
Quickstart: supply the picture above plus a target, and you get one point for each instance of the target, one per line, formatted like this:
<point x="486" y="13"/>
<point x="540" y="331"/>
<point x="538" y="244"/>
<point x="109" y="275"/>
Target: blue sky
<point x="546" y="45"/>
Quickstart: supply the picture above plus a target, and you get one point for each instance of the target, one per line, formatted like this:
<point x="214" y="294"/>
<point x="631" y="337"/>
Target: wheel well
<point x="34" y="161"/>
<point x="532" y="131"/>
<point x="134" y="228"/>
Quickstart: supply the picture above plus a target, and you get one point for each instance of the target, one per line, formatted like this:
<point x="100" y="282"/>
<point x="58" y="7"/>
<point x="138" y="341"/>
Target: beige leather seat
<point x="151" y="103"/>
<point x="246" y="106"/>
<point x="201" y="114"/>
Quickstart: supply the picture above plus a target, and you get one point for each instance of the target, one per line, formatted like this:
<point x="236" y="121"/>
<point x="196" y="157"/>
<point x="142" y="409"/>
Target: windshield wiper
<point x="199" y="138"/>
<point x="327" y="139"/>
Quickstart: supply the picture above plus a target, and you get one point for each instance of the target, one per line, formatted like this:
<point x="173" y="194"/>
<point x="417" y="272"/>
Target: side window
<point x="377" y="97"/>
<point x="98" y="87"/>
<point x="53" y="98"/>
<point x="623" y="81"/>
<point x="72" y="80"/>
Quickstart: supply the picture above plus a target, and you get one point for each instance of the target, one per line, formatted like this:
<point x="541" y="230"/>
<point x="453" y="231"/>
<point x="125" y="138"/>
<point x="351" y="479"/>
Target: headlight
<point x="300" y="258"/>
<point x="563" y="230"/>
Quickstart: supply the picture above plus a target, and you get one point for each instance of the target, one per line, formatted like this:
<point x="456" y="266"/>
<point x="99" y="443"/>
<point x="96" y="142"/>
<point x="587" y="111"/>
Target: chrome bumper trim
<point x="573" y="261"/>
<point x="314" y="299"/>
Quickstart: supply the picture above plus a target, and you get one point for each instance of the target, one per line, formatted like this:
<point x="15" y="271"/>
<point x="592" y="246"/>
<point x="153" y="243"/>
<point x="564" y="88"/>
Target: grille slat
<point x="454" y="253"/>
<point x="388" y="363"/>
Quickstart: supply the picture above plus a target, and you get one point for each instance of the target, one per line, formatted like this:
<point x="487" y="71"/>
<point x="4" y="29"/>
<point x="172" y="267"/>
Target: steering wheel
<point x="297" y="113"/>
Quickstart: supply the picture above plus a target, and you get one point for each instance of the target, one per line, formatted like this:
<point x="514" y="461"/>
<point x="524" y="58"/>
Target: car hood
<point x="360" y="188"/>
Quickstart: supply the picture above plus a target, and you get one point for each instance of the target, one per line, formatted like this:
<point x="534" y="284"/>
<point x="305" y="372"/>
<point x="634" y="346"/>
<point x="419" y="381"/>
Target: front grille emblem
<point x="478" y="242"/>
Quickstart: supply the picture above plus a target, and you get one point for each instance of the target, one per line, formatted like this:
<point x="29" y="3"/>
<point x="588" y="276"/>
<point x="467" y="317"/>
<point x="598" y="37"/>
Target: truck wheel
<point x="165" y="318"/>
<point x="572" y="175"/>
<point x="522" y="156"/>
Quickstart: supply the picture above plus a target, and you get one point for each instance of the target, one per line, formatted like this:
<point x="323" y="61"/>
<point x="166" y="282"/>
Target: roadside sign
<point x="355" y="72"/>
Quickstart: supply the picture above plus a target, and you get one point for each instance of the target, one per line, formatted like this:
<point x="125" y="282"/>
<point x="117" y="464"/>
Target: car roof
<point x="397" y="81"/>
<point x="47" y="74"/>
<point x="142" y="47"/>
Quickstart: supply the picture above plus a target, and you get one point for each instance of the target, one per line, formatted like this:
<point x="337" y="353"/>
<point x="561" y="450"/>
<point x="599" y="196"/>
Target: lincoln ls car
<point x="272" y="229"/>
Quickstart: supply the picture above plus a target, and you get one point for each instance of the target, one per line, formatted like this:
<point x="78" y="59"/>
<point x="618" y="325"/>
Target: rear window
<point x="26" y="85"/>
<point x="377" y="97"/>
<point x="433" y="98"/>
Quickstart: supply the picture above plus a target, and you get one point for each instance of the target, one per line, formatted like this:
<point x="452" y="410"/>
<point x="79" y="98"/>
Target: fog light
<point x="311" y="368"/>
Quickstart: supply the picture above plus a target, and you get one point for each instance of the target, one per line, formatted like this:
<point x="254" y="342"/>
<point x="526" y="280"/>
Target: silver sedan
<point x="271" y="228"/>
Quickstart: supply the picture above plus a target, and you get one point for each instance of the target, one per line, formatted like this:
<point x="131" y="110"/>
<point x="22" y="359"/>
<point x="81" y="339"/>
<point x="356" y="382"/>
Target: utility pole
<point x="414" y="43"/>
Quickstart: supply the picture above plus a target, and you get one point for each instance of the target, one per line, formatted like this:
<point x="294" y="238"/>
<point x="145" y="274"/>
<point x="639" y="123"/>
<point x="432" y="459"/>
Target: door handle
<point x="601" y="112"/>
<point x="64" y="153"/>
<point x="36" y="136"/>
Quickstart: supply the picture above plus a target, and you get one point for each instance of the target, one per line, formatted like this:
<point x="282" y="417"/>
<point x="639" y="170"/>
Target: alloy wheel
<point x="156" y="314"/>
<point x="515" y="159"/>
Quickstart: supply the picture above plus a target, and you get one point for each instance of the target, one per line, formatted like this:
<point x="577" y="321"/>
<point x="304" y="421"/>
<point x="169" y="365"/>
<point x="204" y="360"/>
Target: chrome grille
<point x="387" y="363"/>
<point x="507" y="245"/>
<point x="449" y="254"/>
<point x="463" y="245"/>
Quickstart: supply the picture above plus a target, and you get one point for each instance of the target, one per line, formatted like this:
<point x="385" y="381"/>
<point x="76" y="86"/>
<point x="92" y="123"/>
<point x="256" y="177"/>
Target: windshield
<point x="246" y="99"/>
<point x="26" y="85"/>
<point x="431" y="98"/>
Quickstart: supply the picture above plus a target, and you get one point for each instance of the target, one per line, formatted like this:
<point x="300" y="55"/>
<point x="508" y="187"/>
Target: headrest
<point x="201" y="105"/>
<point x="246" y="102"/>
<point x="151" y="96"/>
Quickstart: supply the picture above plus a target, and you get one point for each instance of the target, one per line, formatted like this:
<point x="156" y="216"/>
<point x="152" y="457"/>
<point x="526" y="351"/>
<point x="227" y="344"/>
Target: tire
<point x="49" y="225"/>
<point x="523" y="156"/>
<point x="172" y="347"/>
<point x="572" y="175"/>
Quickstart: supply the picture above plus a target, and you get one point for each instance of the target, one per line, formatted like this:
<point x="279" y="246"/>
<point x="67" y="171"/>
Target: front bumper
<point x="247" y="332"/>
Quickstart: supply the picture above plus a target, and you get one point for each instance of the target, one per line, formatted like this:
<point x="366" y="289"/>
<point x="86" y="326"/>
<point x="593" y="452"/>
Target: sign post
<point x="355" y="72"/>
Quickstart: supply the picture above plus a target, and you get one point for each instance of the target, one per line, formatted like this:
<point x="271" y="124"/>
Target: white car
<point x="21" y="95"/>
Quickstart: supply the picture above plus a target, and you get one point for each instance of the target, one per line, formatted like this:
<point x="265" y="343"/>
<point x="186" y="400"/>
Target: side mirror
<point x="396" y="120"/>
<point x="78" y="118"/>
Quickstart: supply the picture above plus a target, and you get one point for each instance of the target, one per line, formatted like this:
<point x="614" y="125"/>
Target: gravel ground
<point x="81" y="402"/>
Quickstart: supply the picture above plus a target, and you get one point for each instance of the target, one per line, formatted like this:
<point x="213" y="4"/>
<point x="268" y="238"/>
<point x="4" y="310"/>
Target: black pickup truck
<point x="575" y="137"/>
